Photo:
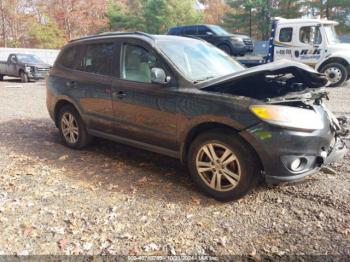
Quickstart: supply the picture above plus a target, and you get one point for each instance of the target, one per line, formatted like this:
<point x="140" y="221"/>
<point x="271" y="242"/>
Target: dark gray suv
<point x="232" y="44"/>
<point x="187" y="99"/>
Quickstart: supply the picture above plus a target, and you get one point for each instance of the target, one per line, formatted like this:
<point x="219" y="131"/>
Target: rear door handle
<point x="119" y="94"/>
<point x="71" y="84"/>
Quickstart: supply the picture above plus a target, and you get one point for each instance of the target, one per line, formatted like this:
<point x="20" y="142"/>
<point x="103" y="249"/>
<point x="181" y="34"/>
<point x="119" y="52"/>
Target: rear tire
<point x="72" y="128"/>
<point x="228" y="174"/>
<point x="336" y="74"/>
<point x="24" y="77"/>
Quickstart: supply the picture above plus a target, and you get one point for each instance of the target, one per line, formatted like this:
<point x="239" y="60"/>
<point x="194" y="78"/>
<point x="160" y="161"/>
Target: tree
<point x="152" y="16"/>
<point x="214" y="11"/>
<point x="338" y="10"/>
<point x="255" y="15"/>
<point x="120" y="17"/>
<point x="46" y="35"/>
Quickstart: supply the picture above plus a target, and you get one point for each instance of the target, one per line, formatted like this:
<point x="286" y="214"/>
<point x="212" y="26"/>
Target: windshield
<point x="197" y="60"/>
<point x="29" y="59"/>
<point x="331" y="34"/>
<point x="219" y="30"/>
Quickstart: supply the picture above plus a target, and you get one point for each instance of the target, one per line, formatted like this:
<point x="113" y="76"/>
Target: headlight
<point x="28" y="69"/>
<point x="287" y="116"/>
<point x="237" y="41"/>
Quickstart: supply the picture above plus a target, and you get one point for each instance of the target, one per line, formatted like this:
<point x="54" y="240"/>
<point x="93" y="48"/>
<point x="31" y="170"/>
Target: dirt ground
<point x="114" y="199"/>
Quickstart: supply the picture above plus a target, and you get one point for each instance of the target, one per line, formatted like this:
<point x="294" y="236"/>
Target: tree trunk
<point x="327" y="9"/>
<point x="250" y="22"/>
<point x="3" y="19"/>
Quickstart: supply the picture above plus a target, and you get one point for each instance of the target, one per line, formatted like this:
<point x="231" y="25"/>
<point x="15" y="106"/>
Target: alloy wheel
<point x="69" y="127"/>
<point x="218" y="167"/>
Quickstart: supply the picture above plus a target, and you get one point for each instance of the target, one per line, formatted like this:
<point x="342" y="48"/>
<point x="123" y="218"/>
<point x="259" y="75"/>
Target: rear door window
<point x="69" y="57"/>
<point x="98" y="59"/>
<point x="190" y="30"/>
<point x="175" y="31"/>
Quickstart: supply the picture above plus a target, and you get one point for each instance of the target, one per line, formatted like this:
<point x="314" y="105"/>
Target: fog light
<point x="295" y="165"/>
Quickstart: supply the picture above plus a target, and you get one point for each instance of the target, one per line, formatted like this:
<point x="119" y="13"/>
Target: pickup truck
<point x="27" y="67"/>
<point x="313" y="42"/>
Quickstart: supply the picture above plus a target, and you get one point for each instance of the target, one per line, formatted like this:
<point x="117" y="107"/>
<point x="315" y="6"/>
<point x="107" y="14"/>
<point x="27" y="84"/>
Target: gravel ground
<point x="113" y="199"/>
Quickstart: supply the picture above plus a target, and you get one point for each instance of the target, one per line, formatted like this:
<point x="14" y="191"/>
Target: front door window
<point x="137" y="64"/>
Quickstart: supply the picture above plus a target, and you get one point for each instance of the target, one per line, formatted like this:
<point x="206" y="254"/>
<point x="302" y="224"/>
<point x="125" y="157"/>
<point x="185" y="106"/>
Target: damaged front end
<point x="296" y="134"/>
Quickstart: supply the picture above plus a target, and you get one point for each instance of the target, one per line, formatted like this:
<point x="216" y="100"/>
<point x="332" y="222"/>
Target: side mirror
<point x="158" y="76"/>
<point x="209" y="33"/>
<point x="13" y="60"/>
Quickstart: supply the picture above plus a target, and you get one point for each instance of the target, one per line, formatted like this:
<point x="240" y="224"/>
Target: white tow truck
<point x="310" y="41"/>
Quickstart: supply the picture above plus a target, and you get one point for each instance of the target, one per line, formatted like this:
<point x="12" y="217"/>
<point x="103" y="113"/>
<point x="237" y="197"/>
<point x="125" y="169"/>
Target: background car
<point x="232" y="44"/>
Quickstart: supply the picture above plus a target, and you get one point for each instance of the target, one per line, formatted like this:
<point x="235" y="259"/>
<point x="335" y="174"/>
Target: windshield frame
<point x="184" y="75"/>
<point x="331" y="34"/>
<point x="32" y="59"/>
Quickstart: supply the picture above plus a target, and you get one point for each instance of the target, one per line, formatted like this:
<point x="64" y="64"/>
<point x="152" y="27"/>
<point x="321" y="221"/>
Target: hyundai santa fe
<point x="187" y="99"/>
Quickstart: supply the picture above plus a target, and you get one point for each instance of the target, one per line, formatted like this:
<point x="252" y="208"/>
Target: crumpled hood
<point x="312" y="77"/>
<point x="267" y="81"/>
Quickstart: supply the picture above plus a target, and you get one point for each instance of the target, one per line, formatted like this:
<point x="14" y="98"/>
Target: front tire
<point x="336" y="74"/>
<point x="225" y="48"/>
<point x="72" y="128"/>
<point x="222" y="165"/>
<point x="24" y="77"/>
<point x="1" y="78"/>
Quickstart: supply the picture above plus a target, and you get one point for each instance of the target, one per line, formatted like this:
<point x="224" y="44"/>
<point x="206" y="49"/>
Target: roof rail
<point x="112" y="34"/>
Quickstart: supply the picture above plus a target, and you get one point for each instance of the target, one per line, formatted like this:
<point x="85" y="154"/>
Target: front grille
<point x="247" y="42"/>
<point x="43" y="69"/>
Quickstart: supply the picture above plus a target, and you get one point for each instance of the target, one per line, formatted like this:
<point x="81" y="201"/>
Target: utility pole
<point x="3" y="20"/>
<point x="250" y="22"/>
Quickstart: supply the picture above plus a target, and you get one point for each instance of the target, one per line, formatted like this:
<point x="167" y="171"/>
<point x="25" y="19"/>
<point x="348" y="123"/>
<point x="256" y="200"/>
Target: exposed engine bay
<point x="271" y="82"/>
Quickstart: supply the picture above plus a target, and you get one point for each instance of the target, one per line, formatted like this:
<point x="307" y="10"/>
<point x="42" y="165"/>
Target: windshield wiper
<point x="203" y="79"/>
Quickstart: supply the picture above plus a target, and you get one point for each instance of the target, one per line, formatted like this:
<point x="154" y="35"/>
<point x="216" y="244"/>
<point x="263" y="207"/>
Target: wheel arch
<point x="206" y="127"/>
<point x="61" y="103"/>
<point x="335" y="59"/>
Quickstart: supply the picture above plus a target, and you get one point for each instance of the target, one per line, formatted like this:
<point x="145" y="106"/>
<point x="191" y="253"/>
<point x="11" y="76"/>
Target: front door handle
<point x="119" y="94"/>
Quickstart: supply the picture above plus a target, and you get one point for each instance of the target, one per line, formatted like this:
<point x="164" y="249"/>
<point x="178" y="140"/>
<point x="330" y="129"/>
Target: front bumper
<point x="279" y="147"/>
<point x="36" y="75"/>
<point x="337" y="153"/>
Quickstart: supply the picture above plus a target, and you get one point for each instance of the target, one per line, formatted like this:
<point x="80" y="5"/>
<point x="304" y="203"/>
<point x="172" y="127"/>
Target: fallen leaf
<point x="196" y="200"/>
<point x="64" y="157"/>
<point x="142" y="181"/>
<point x="62" y="243"/>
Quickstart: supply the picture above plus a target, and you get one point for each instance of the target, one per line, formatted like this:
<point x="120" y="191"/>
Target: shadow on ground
<point x="105" y="164"/>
